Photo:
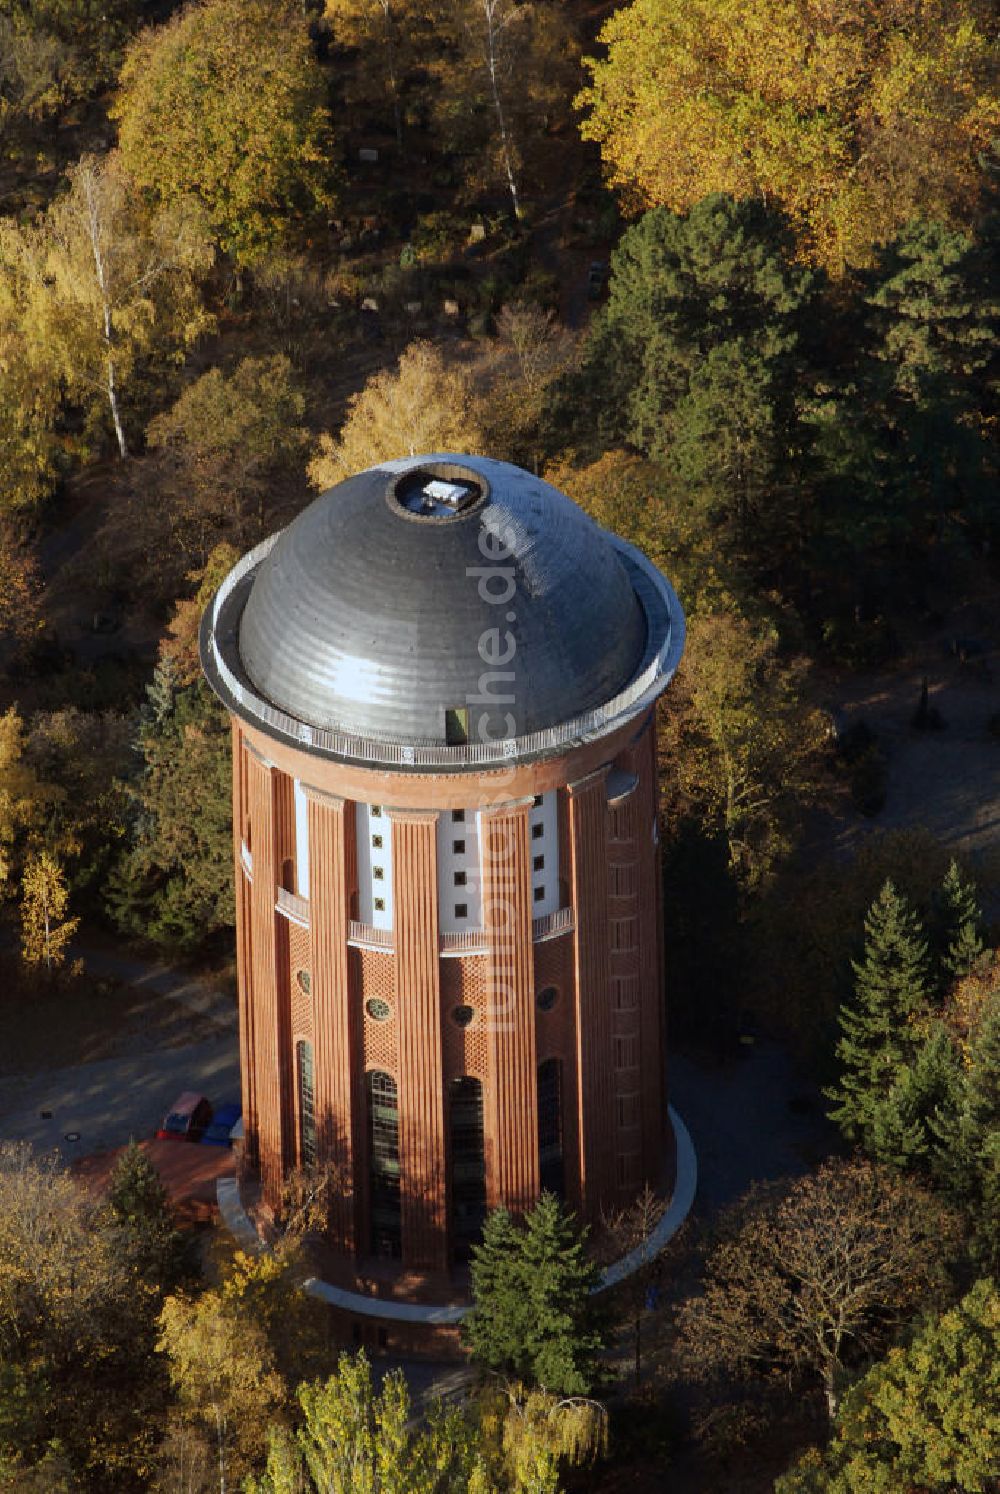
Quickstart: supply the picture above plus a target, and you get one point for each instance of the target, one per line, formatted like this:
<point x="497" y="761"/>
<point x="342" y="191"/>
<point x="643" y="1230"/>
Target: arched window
<point x="383" y="1153"/>
<point x="307" y="1103"/>
<point x="550" y="1127"/>
<point x="468" y="1165"/>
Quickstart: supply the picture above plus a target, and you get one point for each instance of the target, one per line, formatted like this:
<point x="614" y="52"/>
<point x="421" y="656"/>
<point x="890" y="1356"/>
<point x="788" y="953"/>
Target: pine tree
<point x="933" y="326"/>
<point x="901" y="1134"/>
<point x="535" y="1316"/>
<point x="961" y="920"/>
<point x="493" y="1330"/>
<point x="138" y="1205"/>
<point x="891" y="987"/>
<point x="564" y="1339"/>
<point x="967" y="1155"/>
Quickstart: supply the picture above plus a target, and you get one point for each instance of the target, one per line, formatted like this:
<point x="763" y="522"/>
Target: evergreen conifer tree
<point x="535" y="1316"/>
<point x="138" y="1205"/>
<point x="967" y="1156"/>
<point x="564" y="1338"/>
<point x="961" y="918"/>
<point x="929" y="1087"/>
<point x="877" y="1040"/>
<point x="493" y="1330"/>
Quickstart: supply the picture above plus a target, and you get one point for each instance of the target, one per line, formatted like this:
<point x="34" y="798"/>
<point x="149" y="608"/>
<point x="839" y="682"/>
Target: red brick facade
<point x="315" y="986"/>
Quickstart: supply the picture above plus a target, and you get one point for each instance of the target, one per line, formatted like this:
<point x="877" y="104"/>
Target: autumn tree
<point x="226" y="450"/>
<point x="926" y="1417"/>
<point x="244" y="128"/>
<point x="77" y="1321"/>
<point x="540" y="1434"/>
<point x="224" y="1377"/>
<point x="806" y="1278"/>
<point x="54" y="52"/>
<point x="389" y="38"/>
<point x="427" y="404"/>
<point x="647" y="504"/>
<point x="33" y="72"/>
<point x="45" y="928"/>
<point x="103" y="284"/>
<point x="81" y="757"/>
<point x="265" y="1290"/>
<point x="355" y="1437"/>
<point x="854" y="119"/>
<point x="742" y="742"/>
<point x="630" y="1231"/>
<point x="24" y="797"/>
<point x="31" y="453"/>
<point x="507" y="68"/>
<point x="20" y="585"/>
<point x="515" y="371"/>
<point x="77" y="44"/>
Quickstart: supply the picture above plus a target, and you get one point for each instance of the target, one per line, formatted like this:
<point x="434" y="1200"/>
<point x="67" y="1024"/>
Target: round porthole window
<point x="377" y="1009"/>
<point x="547" y="998"/>
<point x="462" y="1015"/>
<point x="304" y="982"/>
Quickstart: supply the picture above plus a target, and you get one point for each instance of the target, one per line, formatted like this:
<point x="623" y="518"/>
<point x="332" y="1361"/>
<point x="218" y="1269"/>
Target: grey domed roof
<point x="374" y="612"/>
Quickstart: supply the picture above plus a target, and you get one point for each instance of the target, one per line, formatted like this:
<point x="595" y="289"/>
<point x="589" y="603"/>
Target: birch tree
<point x="507" y="71"/>
<point x="45" y="929"/>
<point x="222" y="1371"/>
<point x="103" y="283"/>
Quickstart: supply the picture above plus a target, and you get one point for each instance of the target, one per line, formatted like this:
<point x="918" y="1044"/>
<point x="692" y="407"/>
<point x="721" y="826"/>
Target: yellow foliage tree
<point x="100" y="282"/>
<point x="223" y="1373"/>
<point x="427" y="404"/>
<point x="741" y="743"/>
<point x="19" y="584"/>
<point x="23" y="796"/>
<point x="227" y="102"/>
<point x="45" y="929"/>
<point x="853" y="117"/>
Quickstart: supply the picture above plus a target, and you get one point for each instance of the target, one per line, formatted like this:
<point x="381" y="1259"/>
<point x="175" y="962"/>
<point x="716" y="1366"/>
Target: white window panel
<point x="543" y="817"/>
<point x="372" y="823"/>
<point x="453" y="895"/>
<point x="301" y="840"/>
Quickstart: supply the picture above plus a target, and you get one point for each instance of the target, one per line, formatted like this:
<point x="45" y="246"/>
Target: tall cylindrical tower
<point x="442" y="678"/>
